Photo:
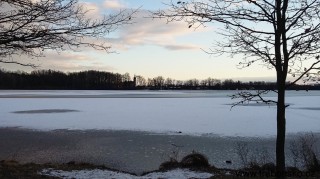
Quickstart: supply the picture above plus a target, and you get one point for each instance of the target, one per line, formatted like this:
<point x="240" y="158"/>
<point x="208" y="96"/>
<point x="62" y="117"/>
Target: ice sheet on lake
<point x="202" y="113"/>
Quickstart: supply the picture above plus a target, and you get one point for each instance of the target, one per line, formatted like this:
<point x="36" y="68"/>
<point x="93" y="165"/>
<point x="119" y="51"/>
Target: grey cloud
<point x="181" y="47"/>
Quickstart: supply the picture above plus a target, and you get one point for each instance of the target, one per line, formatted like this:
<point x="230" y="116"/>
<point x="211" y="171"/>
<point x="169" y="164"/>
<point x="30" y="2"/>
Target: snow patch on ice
<point x="97" y="174"/>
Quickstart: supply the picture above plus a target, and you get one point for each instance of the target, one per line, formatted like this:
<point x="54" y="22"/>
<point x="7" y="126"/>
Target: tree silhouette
<point x="30" y="27"/>
<point x="280" y="34"/>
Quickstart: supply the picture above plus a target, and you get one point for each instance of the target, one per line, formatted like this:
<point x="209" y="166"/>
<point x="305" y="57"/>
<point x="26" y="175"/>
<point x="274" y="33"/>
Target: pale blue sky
<point x="151" y="48"/>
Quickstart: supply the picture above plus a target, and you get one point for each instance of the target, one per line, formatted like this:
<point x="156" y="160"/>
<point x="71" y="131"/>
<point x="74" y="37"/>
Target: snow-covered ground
<point x="97" y="174"/>
<point x="189" y="112"/>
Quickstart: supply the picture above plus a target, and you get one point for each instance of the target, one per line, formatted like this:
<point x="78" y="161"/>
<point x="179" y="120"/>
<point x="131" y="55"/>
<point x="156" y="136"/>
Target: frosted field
<point x="186" y="112"/>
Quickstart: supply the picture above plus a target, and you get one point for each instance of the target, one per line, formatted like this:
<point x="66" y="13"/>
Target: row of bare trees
<point x="99" y="80"/>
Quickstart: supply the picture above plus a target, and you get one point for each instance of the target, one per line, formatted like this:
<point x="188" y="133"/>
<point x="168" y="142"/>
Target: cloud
<point x="72" y="67"/>
<point x="67" y="61"/>
<point x="148" y="31"/>
<point x="144" y="31"/>
<point x="66" y="56"/>
<point x="181" y="47"/>
<point x="72" y="61"/>
<point x="113" y="4"/>
<point x="92" y="9"/>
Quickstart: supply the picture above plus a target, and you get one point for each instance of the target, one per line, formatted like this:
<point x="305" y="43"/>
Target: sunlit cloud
<point x="72" y="61"/>
<point x="67" y="61"/>
<point x="113" y="4"/>
<point x="149" y="31"/>
<point x="92" y="9"/>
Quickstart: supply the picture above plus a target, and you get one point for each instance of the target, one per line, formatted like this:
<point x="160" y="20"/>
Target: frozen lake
<point x="186" y="112"/>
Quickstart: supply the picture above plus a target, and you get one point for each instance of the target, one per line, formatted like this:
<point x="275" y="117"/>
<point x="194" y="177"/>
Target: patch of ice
<point x="45" y="111"/>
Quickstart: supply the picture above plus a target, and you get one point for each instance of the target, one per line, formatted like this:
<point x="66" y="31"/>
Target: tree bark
<point x="281" y="67"/>
<point x="281" y="130"/>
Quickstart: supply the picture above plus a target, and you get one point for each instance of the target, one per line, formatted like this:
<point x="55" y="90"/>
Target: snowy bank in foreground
<point x="97" y="173"/>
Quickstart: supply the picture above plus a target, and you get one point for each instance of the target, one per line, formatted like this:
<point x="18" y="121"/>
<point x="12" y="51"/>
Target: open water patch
<point x="45" y="111"/>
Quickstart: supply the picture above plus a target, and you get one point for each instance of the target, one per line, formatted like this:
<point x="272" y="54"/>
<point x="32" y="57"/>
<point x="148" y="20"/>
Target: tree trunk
<point x="281" y="130"/>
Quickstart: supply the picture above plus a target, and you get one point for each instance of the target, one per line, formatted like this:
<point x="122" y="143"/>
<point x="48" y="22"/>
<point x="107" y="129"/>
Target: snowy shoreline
<point x="97" y="173"/>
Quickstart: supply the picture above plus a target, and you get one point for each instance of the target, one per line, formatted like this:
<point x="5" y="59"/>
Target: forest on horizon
<point x="101" y="80"/>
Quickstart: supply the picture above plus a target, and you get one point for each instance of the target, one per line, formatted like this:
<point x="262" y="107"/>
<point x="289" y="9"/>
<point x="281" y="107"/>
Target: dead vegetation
<point x="10" y="169"/>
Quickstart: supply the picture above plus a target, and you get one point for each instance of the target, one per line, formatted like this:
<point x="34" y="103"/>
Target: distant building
<point x="130" y="85"/>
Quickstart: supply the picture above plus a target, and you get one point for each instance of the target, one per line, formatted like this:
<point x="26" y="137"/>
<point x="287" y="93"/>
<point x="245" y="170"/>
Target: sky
<point x="151" y="47"/>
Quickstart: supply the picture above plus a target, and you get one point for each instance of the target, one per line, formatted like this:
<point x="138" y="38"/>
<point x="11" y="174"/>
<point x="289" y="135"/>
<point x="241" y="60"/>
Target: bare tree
<point x="210" y="82"/>
<point x="150" y="82"/>
<point x="126" y="77"/>
<point x="29" y="27"/>
<point x="280" y="34"/>
<point x="192" y="83"/>
<point x="158" y="82"/>
<point x="169" y="82"/>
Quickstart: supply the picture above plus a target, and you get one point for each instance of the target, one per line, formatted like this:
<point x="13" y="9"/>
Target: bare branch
<point x="30" y="28"/>
<point x="247" y="97"/>
<point x="306" y="71"/>
<point x="18" y="63"/>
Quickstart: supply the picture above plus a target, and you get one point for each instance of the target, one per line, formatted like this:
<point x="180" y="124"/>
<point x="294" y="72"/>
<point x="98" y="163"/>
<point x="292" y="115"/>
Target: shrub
<point x="252" y="158"/>
<point x="303" y="151"/>
<point x="270" y="167"/>
<point x="168" y="165"/>
<point x="194" y="160"/>
<point x="314" y="167"/>
<point x="254" y="166"/>
<point x="243" y="153"/>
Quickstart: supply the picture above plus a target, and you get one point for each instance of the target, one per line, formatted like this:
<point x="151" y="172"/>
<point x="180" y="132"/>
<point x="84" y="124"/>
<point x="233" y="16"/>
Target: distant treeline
<point x="98" y="80"/>
<point x="49" y="79"/>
